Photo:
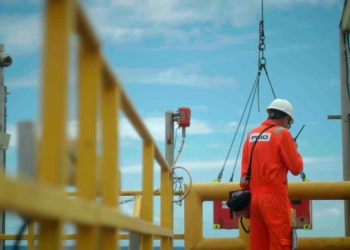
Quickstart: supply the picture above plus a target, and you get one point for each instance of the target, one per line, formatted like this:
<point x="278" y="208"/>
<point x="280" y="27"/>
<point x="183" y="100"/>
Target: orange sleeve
<point x="244" y="165"/>
<point x="290" y="155"/>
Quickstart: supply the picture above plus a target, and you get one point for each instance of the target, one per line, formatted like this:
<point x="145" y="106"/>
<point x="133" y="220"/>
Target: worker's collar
<point x="268" y="123"/>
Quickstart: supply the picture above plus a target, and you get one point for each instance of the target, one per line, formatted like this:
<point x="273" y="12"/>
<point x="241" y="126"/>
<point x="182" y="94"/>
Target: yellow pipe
<point x="318" y="243"/>
<point x="220" y="244"/>
<point x="297" y="190"/>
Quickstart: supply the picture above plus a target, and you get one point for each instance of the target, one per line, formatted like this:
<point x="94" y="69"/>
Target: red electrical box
<point x="184" y="116"/>
<point x="303" y="210"/>
<point x="222" y="218"/>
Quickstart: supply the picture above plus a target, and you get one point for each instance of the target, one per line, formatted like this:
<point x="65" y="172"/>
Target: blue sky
<point x="200" y="54"/>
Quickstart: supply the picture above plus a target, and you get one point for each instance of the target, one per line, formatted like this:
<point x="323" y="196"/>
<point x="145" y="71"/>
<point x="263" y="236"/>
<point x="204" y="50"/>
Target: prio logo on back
<point x="263" y="137"/>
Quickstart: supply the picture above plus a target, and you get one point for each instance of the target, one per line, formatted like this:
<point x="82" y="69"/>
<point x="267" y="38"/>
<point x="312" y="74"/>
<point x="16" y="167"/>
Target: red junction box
<point x="184" y="116"/>
<point x="222" y="218"/>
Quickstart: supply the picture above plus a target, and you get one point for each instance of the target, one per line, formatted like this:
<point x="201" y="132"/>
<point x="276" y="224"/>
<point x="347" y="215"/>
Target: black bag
<point x="240" y="199"/>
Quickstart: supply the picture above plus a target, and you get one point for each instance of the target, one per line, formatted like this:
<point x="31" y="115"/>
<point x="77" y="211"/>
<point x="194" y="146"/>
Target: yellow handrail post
<point x="59" y="17"/>
<point x="31" y="236"/>
<point x="166" y="197"/>
<point x="86" y="179"/>
<point x="147" y="192"/>
<point x="110" y="176"/>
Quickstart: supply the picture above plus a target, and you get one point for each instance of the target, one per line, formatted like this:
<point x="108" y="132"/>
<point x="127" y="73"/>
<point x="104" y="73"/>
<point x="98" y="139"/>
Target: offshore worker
<point x="275" y="154"/>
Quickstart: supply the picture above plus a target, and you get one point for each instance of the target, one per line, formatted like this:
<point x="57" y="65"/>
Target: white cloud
<point x="155" y="125"/>
<point x="172" y="76"/>
<point x="334" y="211"/>
<point x="183" y="25"/>
<point x="189" y="165"/>
<point x="28" y="81"/>
<point x="21" y="33"/>
<point x="132" y="21"/>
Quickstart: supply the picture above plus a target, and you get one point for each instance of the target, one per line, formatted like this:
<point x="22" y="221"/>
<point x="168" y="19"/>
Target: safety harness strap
<point x="251" y="154"/>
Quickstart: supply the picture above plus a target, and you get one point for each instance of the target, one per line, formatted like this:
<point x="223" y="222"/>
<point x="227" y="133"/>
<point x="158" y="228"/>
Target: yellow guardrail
<point x="219" y="191"/>
<point x="45" y="200"/>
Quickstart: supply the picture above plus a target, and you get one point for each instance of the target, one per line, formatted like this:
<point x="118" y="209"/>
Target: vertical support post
<point x="345" y="111"/>
<point x="169" y="137"/>
<point x="89" y="76"/>
<point x="3" y="93"/>
<point x="2" y="151"/>
<point x="147" y="191"/>
<point x="135" y="237"/>
<point x="26" y="157"/>
<point x="167" y="181"/>
<point x="27" y="146"/>
<point x="58" y="26"/>
<point x="110" y="96"/>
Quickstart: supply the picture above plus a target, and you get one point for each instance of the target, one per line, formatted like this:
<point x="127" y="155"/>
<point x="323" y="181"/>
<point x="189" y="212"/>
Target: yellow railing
<point x="219" y="191"/>
<point x="45" y="200"/>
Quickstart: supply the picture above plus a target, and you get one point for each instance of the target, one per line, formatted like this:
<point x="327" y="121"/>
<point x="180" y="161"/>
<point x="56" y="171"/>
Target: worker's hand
<point x="296" y="144"/>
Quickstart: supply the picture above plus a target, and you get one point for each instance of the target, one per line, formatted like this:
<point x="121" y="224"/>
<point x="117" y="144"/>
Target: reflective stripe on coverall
<point x="275" y="153"/>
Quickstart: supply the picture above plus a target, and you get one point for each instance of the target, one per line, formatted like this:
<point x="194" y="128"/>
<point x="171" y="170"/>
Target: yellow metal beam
<point x="137" y="206"/>
<point x="84" y="28"/>
<point x="89" y="76"/>
<point x="31" y="236"/>
<point x="59" y="23"/>
<point x="45" y="202"/>
<point x="147" y="188"/>
<point x="110" y="189"/>
<point x="161" y="160"/>
<point x="166" y="219"/>
<point x="318" y="243"/>
<point x="221" y="244"/>
<point x="193" y="219"/>
<point x="55" y="81"/>
<point x="297" y="190"/>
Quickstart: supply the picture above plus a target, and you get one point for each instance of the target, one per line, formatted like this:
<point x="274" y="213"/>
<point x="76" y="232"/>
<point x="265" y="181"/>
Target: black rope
<point x="245" y="230"/>
<point x="239" y="124"/>
<point x="245" y="126"/>
<point x="268" y="78"/>
<point x="20" y="233"/>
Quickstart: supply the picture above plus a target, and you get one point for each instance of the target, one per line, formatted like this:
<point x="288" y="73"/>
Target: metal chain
<point x="176" y="181"/>
<point x="126" y="201"/>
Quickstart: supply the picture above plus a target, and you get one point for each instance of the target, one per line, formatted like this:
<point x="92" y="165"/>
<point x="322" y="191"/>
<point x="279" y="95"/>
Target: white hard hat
<point x="284" y="106"/>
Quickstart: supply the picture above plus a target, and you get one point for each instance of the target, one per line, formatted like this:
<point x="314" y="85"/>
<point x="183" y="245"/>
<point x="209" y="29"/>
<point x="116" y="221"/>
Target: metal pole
<point x="345" y="111"/>
<point x="169" y="157"/>
<point x="2" y="130"/>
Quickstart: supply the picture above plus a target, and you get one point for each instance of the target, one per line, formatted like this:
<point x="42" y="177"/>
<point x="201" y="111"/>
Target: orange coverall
<point x="274" y="154"/>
